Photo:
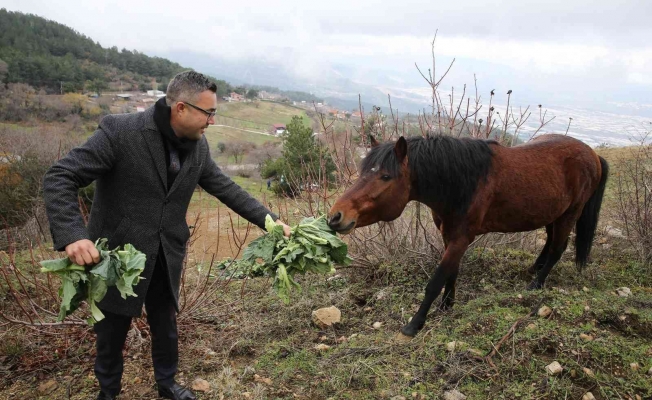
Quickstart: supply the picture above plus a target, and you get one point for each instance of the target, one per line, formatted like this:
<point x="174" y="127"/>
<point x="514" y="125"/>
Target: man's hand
<point x="286" y="229"/>
<point x="83" y="252"/>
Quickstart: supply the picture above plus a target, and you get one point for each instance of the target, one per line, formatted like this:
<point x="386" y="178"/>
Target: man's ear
<point x="400" y="149"/>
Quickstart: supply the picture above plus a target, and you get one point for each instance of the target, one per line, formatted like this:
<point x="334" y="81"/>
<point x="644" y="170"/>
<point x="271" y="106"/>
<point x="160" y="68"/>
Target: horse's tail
<point x="588" y="221"/>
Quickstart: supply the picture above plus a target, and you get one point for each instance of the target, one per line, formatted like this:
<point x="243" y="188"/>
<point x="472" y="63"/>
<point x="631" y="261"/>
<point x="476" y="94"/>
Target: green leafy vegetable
<point x="119" y="268"/>
<point x="311" y="247"/>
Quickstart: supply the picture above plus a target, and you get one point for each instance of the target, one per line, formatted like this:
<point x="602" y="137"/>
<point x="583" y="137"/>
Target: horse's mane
<point x="446" y="170"/>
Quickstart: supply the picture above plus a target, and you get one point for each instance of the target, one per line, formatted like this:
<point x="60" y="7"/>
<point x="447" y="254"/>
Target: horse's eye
<point x="385" y="177"/>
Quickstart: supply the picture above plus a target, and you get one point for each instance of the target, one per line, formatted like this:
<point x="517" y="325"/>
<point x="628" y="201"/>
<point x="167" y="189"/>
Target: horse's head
<point x="381" y="191"/>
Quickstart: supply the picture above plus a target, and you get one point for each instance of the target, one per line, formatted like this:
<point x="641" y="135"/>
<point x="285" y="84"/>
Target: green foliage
<point x="119" y="268"/>
<point x="251" y="94"/>
<point x="304" y="160"/>
<point x="311" y="247"/>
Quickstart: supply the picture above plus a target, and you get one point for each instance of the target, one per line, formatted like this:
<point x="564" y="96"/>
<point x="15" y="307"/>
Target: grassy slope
<point x="257" y="337"/>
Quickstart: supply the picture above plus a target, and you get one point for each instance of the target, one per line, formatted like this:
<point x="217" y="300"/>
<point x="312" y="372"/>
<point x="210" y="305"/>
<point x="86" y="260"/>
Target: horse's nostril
<point x="335" y="219"/>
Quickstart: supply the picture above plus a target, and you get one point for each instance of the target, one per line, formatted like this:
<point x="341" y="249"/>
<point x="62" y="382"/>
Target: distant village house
<point x="278" y="129"/>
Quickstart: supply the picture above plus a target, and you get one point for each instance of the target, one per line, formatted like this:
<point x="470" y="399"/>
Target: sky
<point x="557" y="51"/>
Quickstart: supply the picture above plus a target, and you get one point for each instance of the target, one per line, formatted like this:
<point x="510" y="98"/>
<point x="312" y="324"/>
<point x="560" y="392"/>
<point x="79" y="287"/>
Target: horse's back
<point x="536" y="182"/>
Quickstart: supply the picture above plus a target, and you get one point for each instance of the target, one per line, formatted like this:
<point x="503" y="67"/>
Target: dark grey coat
<point x="132" y="204"/>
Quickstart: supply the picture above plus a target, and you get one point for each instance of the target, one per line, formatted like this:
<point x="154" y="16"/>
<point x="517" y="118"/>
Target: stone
<point x="137" y="380"/>
<point x="326" y="317"/>
<point x="554" y="368"/>
<point x="649" y="371"/>
<point x="634" y="366"/>
<point x="588" y="372"/>
<point x="201" y="385"/>
<point x="586" y="338"/>
<point x="544" y="311"/>
<point x="454" y="395"/>
<point x="398" y="398"/>
<point x="587" y="308"/>
<point x="624" y="291"/>
<point x="455" y="345"/>
<point x="588" y="396"/>
<point x="322" y="347"/>
<point x="377" y="325"/>
<point x="260" y="379"/>
<point x="585" y="289"/>
<point x="47" y="387"/>
<point x="530" y="327"/>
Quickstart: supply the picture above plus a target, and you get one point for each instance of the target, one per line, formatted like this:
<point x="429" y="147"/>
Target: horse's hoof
<point x="446" y="305"/>
<point x="534" y="285"/>
<point x="409" y="331"/>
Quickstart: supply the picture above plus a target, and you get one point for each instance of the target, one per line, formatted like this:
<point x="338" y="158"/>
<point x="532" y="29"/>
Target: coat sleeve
<point x="62" y="181"/>
<point x="216" y="183"/>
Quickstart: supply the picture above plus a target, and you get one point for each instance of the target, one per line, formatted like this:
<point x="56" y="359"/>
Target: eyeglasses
<point x="209" y="114"/>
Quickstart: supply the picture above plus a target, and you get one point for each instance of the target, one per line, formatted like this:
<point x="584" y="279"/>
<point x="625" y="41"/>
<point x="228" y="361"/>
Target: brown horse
<point x="475" y="187"/>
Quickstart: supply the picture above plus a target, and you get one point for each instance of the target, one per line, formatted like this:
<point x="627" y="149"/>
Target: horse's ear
<point x="400" y="149"/>
<point x="373" y="141"/>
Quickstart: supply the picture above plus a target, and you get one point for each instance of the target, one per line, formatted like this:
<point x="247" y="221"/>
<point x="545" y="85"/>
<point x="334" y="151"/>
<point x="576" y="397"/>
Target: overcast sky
<point x="586" y="47"/>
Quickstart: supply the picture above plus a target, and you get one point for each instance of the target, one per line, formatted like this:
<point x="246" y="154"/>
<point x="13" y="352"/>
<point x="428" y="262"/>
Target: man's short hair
<point x="187" y="85"/>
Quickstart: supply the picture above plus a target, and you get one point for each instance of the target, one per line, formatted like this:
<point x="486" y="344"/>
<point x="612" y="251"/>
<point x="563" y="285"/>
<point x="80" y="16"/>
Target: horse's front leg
<point x="446" y="271"/>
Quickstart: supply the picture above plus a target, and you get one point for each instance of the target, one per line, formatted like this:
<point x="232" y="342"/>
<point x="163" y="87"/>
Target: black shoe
<point x="105" y="396"/>
<point x="175" y="392"/>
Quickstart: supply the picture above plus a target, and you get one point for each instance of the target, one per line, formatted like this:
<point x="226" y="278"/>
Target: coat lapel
<point x="189" y="161"/>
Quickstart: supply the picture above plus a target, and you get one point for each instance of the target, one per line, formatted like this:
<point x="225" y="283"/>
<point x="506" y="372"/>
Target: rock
<point x="47" y="387"/>
<point x="137" y="381"/>
<point x="455" y="345"/>
<point x="585" y="289"/>
<point x="377" y="325"/>
<point x="326" y="317"/>
<point x="587" y="308"/>
<point x="519" y="296"/>
<point x="586" y="338"/>
<point x="341" y="339"/>
<point x="624" y="291"/>
<point x="588" y="372"/>
<point x="246" y="395"/>
<point x="260" y="379"/>
<point x="398" y="398"/>
<point x="649" y="371"/>
<point x="554" y="368"/>
<point x="367" y="309"/>
<point x="201" y="385"/>
<point x="614" y="232"/>
<point x="634" y="366"/>
<point x="573" y="374"/>
<point x="382" y="294"/>
<point x="588" y="396"/>
<point x="544" y="311"/>
<point x="454" y="395"/>
<point x="322" y="347"/>
<point x="530" y="327"/>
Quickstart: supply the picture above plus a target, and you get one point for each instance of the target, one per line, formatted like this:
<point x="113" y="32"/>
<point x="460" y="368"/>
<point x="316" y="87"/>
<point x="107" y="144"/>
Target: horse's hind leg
<point x="561" y="230"/>
<point x="448" y="299"/>
<point x="541" y="260"/>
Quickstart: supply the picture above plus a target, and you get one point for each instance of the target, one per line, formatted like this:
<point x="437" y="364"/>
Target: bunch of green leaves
<point x="312" y="247"/>
<point x="119" y="268"/>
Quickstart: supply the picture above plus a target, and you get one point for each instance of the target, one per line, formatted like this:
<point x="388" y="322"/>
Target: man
<point x="146" y="167"/>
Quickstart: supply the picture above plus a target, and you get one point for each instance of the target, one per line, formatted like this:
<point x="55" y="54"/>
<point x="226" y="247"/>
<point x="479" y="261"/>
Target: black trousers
<point x="161" y="317"/>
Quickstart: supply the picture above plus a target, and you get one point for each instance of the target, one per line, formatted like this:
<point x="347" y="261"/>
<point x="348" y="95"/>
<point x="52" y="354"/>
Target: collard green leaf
<point x="120" y="268"/>
<point x="312" y="247"/>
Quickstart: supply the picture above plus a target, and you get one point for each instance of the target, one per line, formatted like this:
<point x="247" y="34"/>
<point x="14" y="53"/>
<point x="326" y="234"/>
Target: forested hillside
<point x="48" y="55"/>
